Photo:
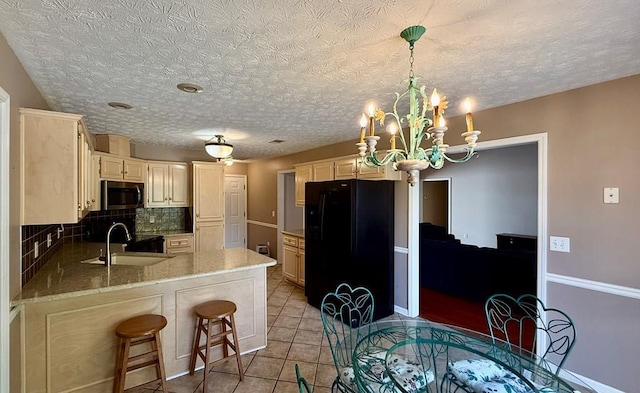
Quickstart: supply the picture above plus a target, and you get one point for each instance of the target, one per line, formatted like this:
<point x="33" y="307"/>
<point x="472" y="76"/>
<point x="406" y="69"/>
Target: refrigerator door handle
<point x="323" y="199"/>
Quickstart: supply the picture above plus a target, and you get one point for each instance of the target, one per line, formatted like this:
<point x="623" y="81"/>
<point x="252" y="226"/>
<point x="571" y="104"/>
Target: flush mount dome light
<point x="189" y="88"/>
<point x="217" y="147"/>
<point x="119" y="105"/>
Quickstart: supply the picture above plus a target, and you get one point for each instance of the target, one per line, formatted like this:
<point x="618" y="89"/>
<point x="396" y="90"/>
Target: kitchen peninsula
<point x="71" y="310"/>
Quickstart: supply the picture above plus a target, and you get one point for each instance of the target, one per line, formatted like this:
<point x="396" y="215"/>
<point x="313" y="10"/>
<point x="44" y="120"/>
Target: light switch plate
<point x="611" y="195"/>
<point x="36" y="252"/>
<point x="560" y="244"/>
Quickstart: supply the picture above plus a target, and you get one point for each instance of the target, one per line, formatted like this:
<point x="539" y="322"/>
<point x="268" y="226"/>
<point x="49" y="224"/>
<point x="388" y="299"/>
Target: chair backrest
<point x="303" y="385"/>
<point x="342" y="310"/>
<point x="520" y="323"/>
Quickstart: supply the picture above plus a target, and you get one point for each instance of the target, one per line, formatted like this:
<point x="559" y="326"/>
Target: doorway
<point x="235" y="211"/>
<point x="462" y="262"/>
<point x="436" y="202"/>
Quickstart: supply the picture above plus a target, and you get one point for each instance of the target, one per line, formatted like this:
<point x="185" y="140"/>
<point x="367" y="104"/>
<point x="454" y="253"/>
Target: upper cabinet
<point x="119" y="168"/>
<point x="339" y="169"/>
<point x="304" y="173"/>
<point x="167" y="184"/>
<point x="55" y="167"/>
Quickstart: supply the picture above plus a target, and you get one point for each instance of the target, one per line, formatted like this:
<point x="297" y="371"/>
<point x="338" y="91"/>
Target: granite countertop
<point x="294" y="232"/>
<point x="65" y="276"/>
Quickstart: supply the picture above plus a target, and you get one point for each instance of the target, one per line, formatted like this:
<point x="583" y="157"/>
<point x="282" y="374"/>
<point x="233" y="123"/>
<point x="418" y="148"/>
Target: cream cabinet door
<point x="95" y="183"/>
<point x="345" y="169"/>
<point x="157" y="186"/>
<point x="323" y="171"/>
<point x="133" y="170"/>
<point x="208" y="191"/>
<point x="178" y="187"/>
<point x="209" y="236"/>
<point x="301" y="266"/>
<point x="290" y="263"/>
<point x="303" y="175"/>
<point x="84" y="172"/>
<point x="111" y="168"/>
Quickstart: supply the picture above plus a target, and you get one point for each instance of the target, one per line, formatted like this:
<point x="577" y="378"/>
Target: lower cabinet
<point x="293" y="259"/>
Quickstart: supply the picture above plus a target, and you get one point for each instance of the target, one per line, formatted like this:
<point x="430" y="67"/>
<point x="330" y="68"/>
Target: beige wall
<point x="15" y="81"/>
<point x="592" y="134"/>
<point x="168" y="153"/>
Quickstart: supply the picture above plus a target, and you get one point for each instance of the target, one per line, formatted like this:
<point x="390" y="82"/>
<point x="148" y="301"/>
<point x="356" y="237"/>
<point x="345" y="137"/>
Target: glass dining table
<point x="411" y="356"/>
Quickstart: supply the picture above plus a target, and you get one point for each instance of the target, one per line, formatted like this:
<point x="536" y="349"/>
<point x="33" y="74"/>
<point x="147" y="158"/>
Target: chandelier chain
<point x="411" y="62"/>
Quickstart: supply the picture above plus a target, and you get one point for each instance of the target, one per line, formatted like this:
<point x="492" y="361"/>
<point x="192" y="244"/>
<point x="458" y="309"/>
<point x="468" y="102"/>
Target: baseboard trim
<point x="401" y="310"/>
<point x="597" y="286"/>
<point x="262" y="224"/>
<point x="401" y="250"/>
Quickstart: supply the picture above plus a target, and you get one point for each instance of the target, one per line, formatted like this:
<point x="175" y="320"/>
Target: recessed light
<point x="276" y="141"/>
<point x="119" y="105"/>
<point x="189" y="88"/>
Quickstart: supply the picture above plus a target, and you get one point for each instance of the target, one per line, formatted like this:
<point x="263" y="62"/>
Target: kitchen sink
<point x="132" y="259"/>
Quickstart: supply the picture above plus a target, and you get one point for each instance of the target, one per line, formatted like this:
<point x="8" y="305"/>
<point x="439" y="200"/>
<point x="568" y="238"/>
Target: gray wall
<point x="495" y="192"/>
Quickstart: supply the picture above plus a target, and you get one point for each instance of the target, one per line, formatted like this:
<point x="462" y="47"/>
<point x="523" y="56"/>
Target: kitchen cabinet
<point x="343" y="168"/>
<point x="119" y="168"/>
<point x="94" y="184"/>
<point x="304" y="173"/>
<point x="167" y="184"/>
<point x="178" y="244"/>
<point x="208" y="205"/>
<point x="55" y="157"/>
<point x="293" y="259"/>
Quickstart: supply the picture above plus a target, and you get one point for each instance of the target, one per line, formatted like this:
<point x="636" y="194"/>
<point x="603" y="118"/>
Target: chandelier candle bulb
<point x="371" y="113"/>
<point x="363" y="125"/>
<point x="467" y="105"/>
<point x="392" y="130"/>
<point x="435" y="103"/>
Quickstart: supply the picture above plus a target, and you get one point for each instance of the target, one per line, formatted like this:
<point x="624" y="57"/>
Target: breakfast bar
<point x="71" y="310"/>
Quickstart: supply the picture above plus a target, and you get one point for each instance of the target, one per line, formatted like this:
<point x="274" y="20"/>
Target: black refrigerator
<point x="349" y="238"/>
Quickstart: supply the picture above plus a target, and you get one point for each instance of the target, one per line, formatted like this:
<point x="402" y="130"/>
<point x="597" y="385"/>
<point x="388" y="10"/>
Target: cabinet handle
<point x="93" y="200"/>
<point x="88" y="203"/>
<point x="169" y="198"/>
<point x="197" y="215"/>
<point x="165" y="199"/>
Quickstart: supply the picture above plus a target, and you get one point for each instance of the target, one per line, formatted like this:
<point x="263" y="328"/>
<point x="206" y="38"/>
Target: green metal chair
<point x="518" y="324"/>
<point x="342" y="310"/>
<point x="303" y="385"/>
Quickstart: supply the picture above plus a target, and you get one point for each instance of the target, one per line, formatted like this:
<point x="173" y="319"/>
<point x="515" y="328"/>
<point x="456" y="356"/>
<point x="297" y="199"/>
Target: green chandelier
<point x="413" y="158"/>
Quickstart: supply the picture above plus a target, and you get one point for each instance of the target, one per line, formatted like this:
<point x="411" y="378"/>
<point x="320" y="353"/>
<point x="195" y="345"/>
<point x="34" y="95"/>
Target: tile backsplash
<point x="91" y="228"/>
<point x="161" y="219"/>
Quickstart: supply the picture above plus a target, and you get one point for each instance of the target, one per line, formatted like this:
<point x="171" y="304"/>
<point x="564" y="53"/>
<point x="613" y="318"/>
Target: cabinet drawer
<point x="290" y="241"/>
<point x="301" y="244"/>
<point x="179" y="244"/>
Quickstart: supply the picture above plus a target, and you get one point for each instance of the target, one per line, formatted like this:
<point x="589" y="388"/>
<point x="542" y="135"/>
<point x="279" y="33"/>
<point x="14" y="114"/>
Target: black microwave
<point x="122" y="195"/>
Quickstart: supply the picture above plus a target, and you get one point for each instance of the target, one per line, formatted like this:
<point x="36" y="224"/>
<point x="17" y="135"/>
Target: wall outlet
<point x="273" y="213"/>
<point x="611" y="195"/>
<point x="49" y="240"/>
<point x="35" y="250"/>
<point x="560" y="244"/>
<point x="152" y="219"/>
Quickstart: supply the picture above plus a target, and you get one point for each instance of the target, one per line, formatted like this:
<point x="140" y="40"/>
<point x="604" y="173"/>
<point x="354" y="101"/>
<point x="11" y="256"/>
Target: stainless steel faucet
<point x="107" y="258"/>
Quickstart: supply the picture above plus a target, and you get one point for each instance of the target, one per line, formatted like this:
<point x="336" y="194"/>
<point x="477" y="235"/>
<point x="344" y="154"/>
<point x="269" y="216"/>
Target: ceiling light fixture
<point x="412" y="158"/>
<point x="119" y="105"/>
<point x="189" y="88"/>
<point x="218" y="148"/>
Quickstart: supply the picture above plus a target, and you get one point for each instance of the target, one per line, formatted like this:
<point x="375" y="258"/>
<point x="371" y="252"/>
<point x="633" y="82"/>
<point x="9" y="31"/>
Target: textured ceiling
<point x="303" y="70"/>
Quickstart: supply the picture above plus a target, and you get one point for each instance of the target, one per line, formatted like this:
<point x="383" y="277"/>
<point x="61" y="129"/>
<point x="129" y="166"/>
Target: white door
<point x="235" y="217"/>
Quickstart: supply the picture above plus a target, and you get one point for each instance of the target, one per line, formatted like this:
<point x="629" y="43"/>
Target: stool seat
<point x="216" y="314"/>
<point x="143" y="329"/>
<point x="215" y="309"/>
<point x="142" y="325"/>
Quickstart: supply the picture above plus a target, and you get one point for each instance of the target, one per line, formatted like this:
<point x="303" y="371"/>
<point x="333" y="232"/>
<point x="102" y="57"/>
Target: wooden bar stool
<point x="215" y="313"/>
<point x="135" y="331"/>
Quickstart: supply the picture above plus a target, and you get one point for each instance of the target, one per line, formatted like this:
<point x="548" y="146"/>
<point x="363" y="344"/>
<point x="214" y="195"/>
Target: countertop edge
<point x="68" y="295"/>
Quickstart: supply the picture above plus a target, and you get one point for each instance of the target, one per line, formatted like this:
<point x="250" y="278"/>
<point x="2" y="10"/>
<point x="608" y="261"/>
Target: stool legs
<point x="212" y="339"/>
<point x="122" y="360"/>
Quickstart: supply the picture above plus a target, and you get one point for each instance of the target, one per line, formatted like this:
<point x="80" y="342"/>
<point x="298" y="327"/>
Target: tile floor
<point x="295" y="335"/>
